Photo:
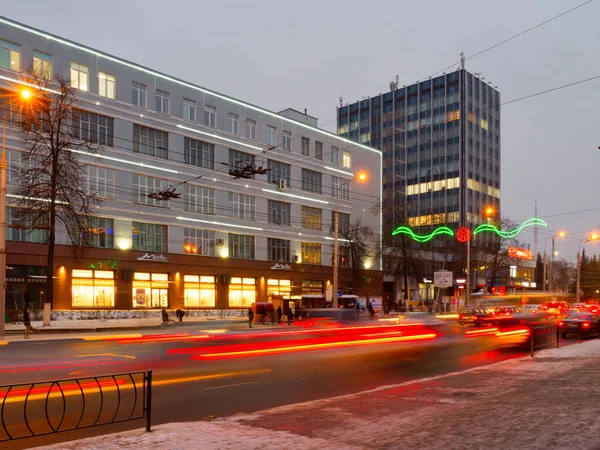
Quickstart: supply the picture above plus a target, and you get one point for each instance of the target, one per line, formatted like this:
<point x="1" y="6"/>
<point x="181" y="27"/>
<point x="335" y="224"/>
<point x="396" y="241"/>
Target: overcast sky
<point x="279" y="54"/>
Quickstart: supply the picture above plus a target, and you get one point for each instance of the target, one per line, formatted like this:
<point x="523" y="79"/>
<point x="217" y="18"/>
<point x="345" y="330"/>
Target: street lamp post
<point x="361" y="177"/>
<point x="25" y="94"/>
<point x="560" y="234"/>
<point x="592" y="237"/>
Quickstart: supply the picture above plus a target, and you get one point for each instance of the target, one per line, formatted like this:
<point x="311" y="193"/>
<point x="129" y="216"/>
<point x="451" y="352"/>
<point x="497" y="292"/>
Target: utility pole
<point x="550" y="268"/>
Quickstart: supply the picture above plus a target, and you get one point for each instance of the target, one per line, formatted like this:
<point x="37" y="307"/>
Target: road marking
<point x="214" y="331"/>
<point x="230" y="385"/>
<point x="209" y="377"/>
<point x="106" y="354"/>
<point x="111" y="337"/>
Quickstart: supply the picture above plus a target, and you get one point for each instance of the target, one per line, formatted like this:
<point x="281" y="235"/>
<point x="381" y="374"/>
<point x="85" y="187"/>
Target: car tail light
<point x="586" y="325"/>
<point x="561" y="324"/>
<point x="545" y="306"/>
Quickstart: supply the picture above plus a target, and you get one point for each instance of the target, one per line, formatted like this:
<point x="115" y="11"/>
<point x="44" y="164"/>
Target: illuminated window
<point x="278" y="287"/>
<point x="106" y="85"/>
<point x="452" y="115"/>
<point x="484" y="124"/>
<point x="10" y="55"/>
<point x="98" y="233"/>
<point x="347" y="162"/>
<point x="92" y="288"/>
<point x="150" y="290"/>
<point x="312" y="218"/>
<point x="199" y="242"/>
<point x="242" y="292"/>
<point x="311" y="253"/>
<point x="79" y="77"/>
<point x="312" y="287"/>
<point x="199" y="291"/>
<point x="42" y="64"/>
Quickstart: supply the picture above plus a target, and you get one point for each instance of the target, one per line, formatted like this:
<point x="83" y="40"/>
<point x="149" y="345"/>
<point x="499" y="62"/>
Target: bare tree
<point x="52" y="179"/>
<point x="354" y="249"/>
<point x="563" y="275"/>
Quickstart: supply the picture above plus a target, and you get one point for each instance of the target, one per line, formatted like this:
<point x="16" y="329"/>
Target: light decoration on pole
<point x="509" y="234"/>
<point x="422" y="237"/>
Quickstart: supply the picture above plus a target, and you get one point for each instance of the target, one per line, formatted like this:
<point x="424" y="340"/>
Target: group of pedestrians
<point x="289" y="314"/>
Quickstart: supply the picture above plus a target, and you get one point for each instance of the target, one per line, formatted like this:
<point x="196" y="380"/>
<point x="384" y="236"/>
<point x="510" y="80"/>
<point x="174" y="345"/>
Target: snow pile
<point x="587" y="349"/>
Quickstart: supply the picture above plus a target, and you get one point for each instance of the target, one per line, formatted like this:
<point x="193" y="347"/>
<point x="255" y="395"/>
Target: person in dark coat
<point x="279" y="314"/>
<point x="250" y="316"/>
<point x="290" y="316"/>
<point x="180" y="313"/>
<point x="26" y="310"/>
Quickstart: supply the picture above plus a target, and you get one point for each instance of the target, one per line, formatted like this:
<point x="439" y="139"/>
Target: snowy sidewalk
<point x="545" y="402"/>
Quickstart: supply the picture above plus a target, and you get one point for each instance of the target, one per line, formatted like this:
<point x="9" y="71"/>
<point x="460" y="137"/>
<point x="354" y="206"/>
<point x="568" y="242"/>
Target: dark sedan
<point x="582" y="324"/>
<point x="473" y="316"/>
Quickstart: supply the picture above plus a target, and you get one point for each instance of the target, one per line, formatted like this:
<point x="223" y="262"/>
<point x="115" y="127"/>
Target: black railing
<point x="49" y="407"/>
<point x="544" y="336"/>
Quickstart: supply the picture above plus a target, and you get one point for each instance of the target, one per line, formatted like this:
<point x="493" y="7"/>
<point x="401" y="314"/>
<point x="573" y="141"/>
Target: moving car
<point x="532" y="309"/>
<point x="506" y="311"/>
<point x="555" y="308"/>
<point x="582" y="324"/>
<point x="473" y="316"/>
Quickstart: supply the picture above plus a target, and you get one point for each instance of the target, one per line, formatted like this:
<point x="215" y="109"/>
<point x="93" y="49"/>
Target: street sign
<point x="442" y="279"/>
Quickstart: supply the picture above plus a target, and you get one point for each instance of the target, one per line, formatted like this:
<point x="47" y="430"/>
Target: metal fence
<point x="48" y="407"/>
<point x="544" y="336"/>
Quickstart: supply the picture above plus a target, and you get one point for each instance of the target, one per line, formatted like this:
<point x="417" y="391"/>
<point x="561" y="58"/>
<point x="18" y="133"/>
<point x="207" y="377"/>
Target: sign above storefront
<point x="279" y="266"/>
<point x="520" y="253"/>
<point x="153" y="257"/>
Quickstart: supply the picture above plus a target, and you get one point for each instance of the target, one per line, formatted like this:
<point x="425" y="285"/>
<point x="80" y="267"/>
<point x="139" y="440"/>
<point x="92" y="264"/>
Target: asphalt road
<point x="186" y="389"/>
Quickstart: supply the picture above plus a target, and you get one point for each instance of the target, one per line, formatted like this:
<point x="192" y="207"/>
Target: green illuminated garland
<point x="422" y="238"/>
<point x="510" y="233"/>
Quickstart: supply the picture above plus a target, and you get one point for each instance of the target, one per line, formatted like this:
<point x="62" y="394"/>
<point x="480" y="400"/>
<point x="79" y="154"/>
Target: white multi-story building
<point x="225" y="242"/>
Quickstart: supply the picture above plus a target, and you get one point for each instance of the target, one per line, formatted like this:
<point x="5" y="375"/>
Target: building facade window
<point x="319" y="150"/>
<point x="241" y="246"/>
<point x="149" y="237"/>
<point x="199" y="199"/>
<point x="343" y="222"/>
<point x="150" y="290"/>
<point x="242" y="206"/>
<point x="312" y="218"/>
<point x="335" y="155"/>
<point x="340" y="188"/>
<point x="189" y="110"/>
<point x="79" y="77"/>
<point x="271" y="135"/>
<point x="305" y="146"/>
<point x="278" y="288"/>
<point x="100" y="181"/>
<point x="92" y="288"/>
<point x="138" y="94"/>
<point x="286" y="140"/>
<point x="199" y="291"/>
<point x="251" y="129"/>
<point x="277" y="172"/>
<point x="347" y="159"/>
<point x="311" y="253"/>
<point x="151" y="142"/>
<point x="99" y="232"/>
<point x="210" y="116"/>
<point x="106" y="85"/>
<point x="143" y="185"/>
<point x="16" y="228"/>
<point x="278" y="250"/>
<point x="198" y="153"/>
<point x="242" y="292"/>
<point x="312" y="287"/>
<point x="199" y="242"/>
<point x="234" y="123"/>
<point x="162" y="102"/>
<point x="92" y="127"/>
<point x="10" y="55"/>
<point x="312" y="181"/>
<point x="42" y="64"/>
<point x="279" y="212"/>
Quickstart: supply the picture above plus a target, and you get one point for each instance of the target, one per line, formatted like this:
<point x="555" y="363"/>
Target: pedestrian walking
<point x="26" y="318"/>
<point x="279" y="314"/>
<point x="290" y="316"/>
<point x="250" y="317"/>
<point x="357" y="309"/>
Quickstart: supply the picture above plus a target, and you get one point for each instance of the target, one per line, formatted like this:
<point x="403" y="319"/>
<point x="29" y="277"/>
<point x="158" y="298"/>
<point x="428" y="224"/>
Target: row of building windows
<point x="10" y="58"/>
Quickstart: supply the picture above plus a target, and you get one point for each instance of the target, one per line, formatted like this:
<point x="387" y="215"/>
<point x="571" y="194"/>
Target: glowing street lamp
<point x="25" y="95"/>
<point x="592" y="237"/>
<point x="362" y="176"/>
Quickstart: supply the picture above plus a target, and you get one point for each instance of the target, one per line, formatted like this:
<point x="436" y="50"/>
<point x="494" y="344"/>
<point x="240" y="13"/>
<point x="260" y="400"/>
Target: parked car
<point x="591" y="308"/>
<point x="473" y="316"/>
<point x="581" y="324"/>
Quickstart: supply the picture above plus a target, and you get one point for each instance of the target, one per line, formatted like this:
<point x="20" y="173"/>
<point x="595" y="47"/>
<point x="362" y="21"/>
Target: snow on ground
<point x="525" y="403"/>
